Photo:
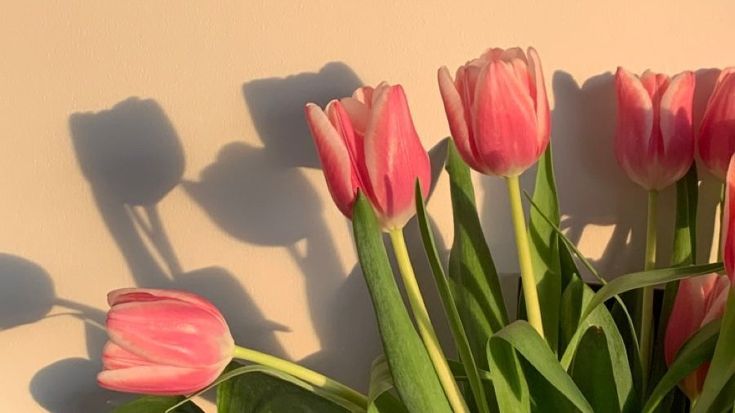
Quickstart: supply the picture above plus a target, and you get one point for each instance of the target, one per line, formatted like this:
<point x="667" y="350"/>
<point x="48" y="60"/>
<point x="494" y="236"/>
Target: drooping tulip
<point x="654" y="141"/>
<point x="368" y="143"/>
<point x="716" y="141"/>
<point x="498" y="111"/>
<point x="163" y="342"/>
<point x="699" y="300"/>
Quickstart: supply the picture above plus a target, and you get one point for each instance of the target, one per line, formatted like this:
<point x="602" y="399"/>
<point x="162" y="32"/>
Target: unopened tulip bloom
<point x="699" y="301"/>
<point x="368" y="143"/>
<point x="717" y="132"/>
<point x="497" y="110"/>
<point x="163" y="342"/>
<point x="654" y="141"/>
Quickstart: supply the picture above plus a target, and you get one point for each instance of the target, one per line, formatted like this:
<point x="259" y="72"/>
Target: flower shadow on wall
<point x="132" y="157"/>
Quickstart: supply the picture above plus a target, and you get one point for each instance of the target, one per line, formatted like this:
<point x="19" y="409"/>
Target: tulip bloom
<point x="367" y="142"/>
<point x="654" y="142"/>
<point x="497" y="110"/>
<point x="163" y="342"/>
<point x="699" y="301"/>
<point x="728" y="227"/>
<point x="717" y="132"/>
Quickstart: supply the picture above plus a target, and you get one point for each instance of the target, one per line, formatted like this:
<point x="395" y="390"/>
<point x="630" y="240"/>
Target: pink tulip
<point x="728" y="227"/>
<point x="163" y="342"/>
<point x="654" y="142"/>
<point x="497" y="110"/>
<point x="367" y="142"/>
<point x="717" y="132"/>
<point x="699" y="301"/>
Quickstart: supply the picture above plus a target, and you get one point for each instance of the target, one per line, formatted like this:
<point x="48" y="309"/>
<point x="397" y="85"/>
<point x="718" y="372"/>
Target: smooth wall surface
<point x="162" y="144"/>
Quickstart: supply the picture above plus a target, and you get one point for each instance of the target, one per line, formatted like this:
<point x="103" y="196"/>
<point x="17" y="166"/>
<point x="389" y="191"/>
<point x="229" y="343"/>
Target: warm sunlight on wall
<point x="163" y="144"/>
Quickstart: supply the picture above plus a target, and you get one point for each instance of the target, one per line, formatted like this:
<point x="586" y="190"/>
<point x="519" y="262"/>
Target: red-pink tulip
<point x="728" y="226"/>
<point x="163" y="342"/>
<point x="699" y="301"/>
<point x="717" y="132"/>
<point x="367" y="142"/>
<point x="497" y="110"/>
<point x="654" y="142"/>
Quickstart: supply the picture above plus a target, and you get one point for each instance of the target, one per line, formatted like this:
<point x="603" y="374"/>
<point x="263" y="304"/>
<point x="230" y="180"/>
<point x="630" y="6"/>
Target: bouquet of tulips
<point x="573" y="347"/>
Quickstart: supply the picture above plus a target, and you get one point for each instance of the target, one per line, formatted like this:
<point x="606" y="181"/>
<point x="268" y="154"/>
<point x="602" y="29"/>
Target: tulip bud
<point x="163" y="342"/>
<point x="497" y="110"/>
<point x="654" y="142"/>
<point x="699" y="300"/>
<point x="716" y="140"/>
<point x="367" y="142"/>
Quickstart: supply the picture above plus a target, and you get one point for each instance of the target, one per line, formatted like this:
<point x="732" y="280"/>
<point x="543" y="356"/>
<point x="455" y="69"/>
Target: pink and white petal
<point x="170" y="332"/>
<point x="456" y="115"/>
<point x="716" y="300"/>
<point x="675" y="122"/>
<point x="716" y="142"/>
<point x="116" y="357"/>
<point x="358" y="112"/>
<point x="364" y="95"/>
<point x="334" y="157"/>
<point x="688" y="312"/>
<point x="541" y="101"/>
<point x="159" y="380"/>
<point x="633" y="147"/>
<point x="126" y="295"/>
<point x="517" y="59"/>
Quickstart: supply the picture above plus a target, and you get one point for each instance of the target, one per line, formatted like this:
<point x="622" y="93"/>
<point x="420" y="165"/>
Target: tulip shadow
<point x="132" y="158"/>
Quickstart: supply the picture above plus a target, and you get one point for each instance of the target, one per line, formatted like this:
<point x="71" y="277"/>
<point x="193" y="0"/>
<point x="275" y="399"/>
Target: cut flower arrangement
<point x="574" y="347"/>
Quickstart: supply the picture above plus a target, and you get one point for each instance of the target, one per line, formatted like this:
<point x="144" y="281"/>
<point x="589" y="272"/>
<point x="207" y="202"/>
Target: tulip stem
<point x="528" y="279"/>
<point x="310" y="376"/>
<point x="423" y="322"/>
<point x="647" y="299"/>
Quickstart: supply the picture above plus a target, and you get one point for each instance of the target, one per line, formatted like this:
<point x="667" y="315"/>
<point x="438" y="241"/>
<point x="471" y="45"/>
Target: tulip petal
<point x="677" y="138"/>
<point x="634" y="127"/>
<point x="717" y="131"/>
<point x="687" y="313"/>
<point x="159" y="380"/>
<point x="334" y="157"/>
<point x="541" y="102"/>
<point x="728" y="229"/>
<point x="716" y="300"/>
<point x="126" y="295"/>
<point x="457" y="117"/>
<point x="169" y="332"/>
<point x="394" y="157"/>
<point x="116" y="357"/>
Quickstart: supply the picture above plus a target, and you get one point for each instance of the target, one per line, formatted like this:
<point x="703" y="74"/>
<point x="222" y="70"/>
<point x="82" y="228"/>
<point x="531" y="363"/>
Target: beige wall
<point x="196" y="111"/>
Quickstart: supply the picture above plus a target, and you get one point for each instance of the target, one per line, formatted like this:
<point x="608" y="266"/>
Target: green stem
<point x="423" y="322"/>
<point x="528" y="280"/>
<point x="647" y="300"/>
<point x="720" y="243"/>
<point x="310" y="376"/>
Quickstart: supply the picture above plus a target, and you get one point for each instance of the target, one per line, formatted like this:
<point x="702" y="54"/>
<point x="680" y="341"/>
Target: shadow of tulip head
<point x="27" y="292"/>
<point x="130" y="150"/>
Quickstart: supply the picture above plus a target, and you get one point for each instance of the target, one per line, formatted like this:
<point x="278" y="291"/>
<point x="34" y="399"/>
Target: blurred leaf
<point x="722" y="368"/>
<point x="413" y="373"/>
<point x="472" y="272"/>
<point x="450" y="308"/>
<point x="593" y="373"/>
<point x="697" y="350"/>
<point x="545" y="247"/>
<point x="158" y="404"/>
<point x="529" y="344"/>
<point x="380" y="398"/>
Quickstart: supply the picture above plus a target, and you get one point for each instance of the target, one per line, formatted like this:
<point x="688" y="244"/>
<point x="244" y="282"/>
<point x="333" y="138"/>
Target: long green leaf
<point x="593" y="372"/>
<point x="157" y="404"/>
<point x="380" y="398"/>
<point x="526" y="341"/>
<point x="697" y="350"/>
<point x="450" y="308"/>
<point x="545" y="247"/>
<point x="471" y="269"/>
<point x="642" y="279"/>
<point x="412" y="370"/>
<point x="722" y="368"/>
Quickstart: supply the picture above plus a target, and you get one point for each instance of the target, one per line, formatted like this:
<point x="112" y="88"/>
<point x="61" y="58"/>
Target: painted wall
<point x="162" y="144"/>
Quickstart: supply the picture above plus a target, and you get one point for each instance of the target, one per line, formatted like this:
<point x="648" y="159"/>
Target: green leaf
<point x="471" y="269"/>
<point x="697" y="350"/>
<point x="413" y="373"/>
<point x="593" y="372"/>
<point x="158" y="404"/>
<point x="380" y="398"/>
<point x="722" y="368"/>
<point x="545" y="247"/>
<point x="450" y="308"/>
<point x="259" y="392"/>
<point x="526" y="341"/>
<point x="642" y="279"/>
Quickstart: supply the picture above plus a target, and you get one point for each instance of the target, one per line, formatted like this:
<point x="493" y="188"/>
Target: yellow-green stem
<point x="426" y="330"/>
<point x="528" y="279"/>
<point x="647" y="300"/>
<point x="310" y="376"/>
